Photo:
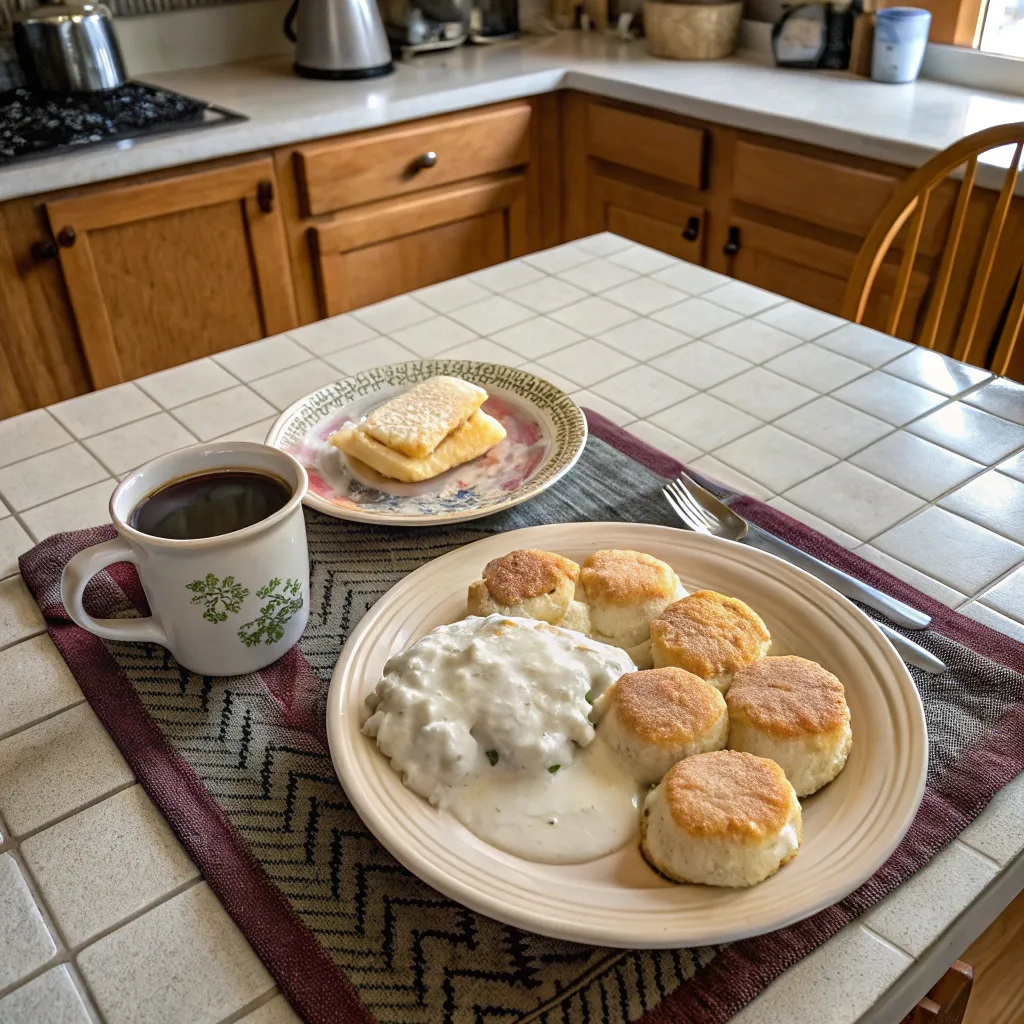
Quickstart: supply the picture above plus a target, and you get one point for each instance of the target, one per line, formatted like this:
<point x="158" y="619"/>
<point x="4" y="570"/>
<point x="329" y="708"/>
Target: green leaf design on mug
<point x="219" y="596"/>
<point x="282" y="602"/>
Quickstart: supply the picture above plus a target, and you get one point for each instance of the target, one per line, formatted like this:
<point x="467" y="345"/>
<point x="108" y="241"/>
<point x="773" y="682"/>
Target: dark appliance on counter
<point x="421" y="26"/>
<point x="492" y="21"/>
<point x="37" y="124"/>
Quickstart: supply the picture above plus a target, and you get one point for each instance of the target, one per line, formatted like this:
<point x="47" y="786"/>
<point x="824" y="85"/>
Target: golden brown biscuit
<point x="528" y="583"/>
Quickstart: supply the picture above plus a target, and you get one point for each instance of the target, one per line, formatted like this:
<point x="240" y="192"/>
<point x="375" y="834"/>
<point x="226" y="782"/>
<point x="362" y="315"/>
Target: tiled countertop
<point x="913" y="460"/>
<point x="904" y="124"/>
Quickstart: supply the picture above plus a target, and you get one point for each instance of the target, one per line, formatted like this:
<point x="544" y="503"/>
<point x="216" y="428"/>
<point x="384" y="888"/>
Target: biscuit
<point x="526" y="583"/>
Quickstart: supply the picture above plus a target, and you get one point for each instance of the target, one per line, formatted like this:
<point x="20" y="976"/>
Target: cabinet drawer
<point x="341" y="174"/>
<point x="662" y="148"/>
<point x="821" y="192"/>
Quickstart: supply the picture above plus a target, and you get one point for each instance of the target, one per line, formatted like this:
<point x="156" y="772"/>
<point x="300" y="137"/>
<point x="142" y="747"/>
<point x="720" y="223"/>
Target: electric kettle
<point x="338" y="39"/>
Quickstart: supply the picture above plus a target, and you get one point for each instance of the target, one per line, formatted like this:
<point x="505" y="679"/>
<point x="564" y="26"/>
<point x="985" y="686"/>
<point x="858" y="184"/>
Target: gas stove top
<point x="35" y="125"/>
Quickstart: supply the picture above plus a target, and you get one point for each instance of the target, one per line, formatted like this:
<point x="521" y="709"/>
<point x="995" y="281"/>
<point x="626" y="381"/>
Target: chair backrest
<point x="909" y="206"/>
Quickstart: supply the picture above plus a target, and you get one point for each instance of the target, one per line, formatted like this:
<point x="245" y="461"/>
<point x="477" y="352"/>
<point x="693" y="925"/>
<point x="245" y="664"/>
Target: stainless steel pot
<point x="69" y="47"/>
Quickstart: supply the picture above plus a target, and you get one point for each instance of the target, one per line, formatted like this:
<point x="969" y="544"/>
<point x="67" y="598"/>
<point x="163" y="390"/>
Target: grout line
<point x="980" y="853"/>
<point x="28" y="636"/>
<point x="253" y="1005"/>
<point x="92" y="802"/>
<point x="888" y="942"/>
<point x="41" y="718"/>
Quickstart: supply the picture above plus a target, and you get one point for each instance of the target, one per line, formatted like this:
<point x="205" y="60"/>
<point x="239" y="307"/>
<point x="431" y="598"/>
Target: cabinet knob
<point x="265" y="196"/>
<point x="732" y="246"/>
<point x="421" y="163"/>
<point x="44" y="250"/>
<point x="66" y="237"/>
<point x="692" y="230"/>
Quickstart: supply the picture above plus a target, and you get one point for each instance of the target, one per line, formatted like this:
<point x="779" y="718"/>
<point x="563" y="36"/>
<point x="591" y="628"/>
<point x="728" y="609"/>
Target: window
<point x="1002" y="27"/>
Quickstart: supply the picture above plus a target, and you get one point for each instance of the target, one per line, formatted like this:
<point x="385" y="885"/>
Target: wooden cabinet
<point x="170" y="270"/>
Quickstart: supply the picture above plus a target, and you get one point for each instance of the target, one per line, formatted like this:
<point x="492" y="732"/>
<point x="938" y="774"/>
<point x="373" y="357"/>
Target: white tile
<point x="935" y="371"/>
<point x="586" y="362"/>
<point x="643" y="390"/>
<point x="603" y="244"/>
<point x="839" y="429"/>
<point x="52" y="997"/>
<point x="185" y="960"/>
<point x="14" y="541"/>
<point x="506" y="276"/>
<point x="75" y="511"/>
<point x="765" y="394"/>
<point x="1013" y="467"/>
<point x="284" y="387"/>
<point x="546" y="294"/>
<point x="744" y="298"/>
<point x="551" y="377"/>
<point x="933" y="588"/>
<point x="696" y="317"/>
<point x="690" y="278"/>
<point x="644" y="295"/>
<point x="1007" y="595"/>
<point x="753" y="340"/>
<point x="186" y="383"/>
<point x="255" y="432"/>
<point x="664" y="441"/>
<point x="47" y="476"/>
<point x="491" y="314"/>
<point x="537" y="337"/>
<point x="129" y="446"/>
<point x="429" y="337"/>
<point x="998" y="832"/>
<point x="57" y="766"/>
<point x="276" y="1011"/>
<point x="993" y="500"/>
<point x="912" y="918"/>
<point x="597" y="275"/>
<point x="333" y="334"/>
<point x="34" y="682"/>
<point x="774" y="458"/>
<point x="593" y="315"/>
<point x="889" y="398"/>
<point x="917" y="465"/>
<point x="365" y="356"/>
<point x="970" y="432"/>
<point x="955" y="551"/>
<point x="217" y="414"/>
<point x="106" y="863"/>
<point x="837" y="983"/>
<point x="1002" y="397"/>
<point x="561" y="257"/>
<point x="701" y="365"/>
<point x="393" y="314"/>
<point x="19" y="614"/>
<point x="450" y="295"/>
<point x="816" y="367"/>
<point x="994" y="620"/>
<point x="814" y="522"/>
<point x="864" y="344"/>
<point x="644" y="339"/>
<point x="29" y="434"/>
<point x="857" y="502"/>
<point x="247" y="362"/>
<point x="705" y="422"/>
<point x="609" y="410"/>
<point x="803" y="321"/>
<point x="101" y="410"/>
<point x="717" y="470"/>
<point x="483" y="350"/>
<point x="642" y="259"/>
<point x="26" y="943"/>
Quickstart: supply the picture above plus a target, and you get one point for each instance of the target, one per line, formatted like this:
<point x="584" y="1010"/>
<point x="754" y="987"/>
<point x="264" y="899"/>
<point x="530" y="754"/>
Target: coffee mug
<point x="222" y="605"/>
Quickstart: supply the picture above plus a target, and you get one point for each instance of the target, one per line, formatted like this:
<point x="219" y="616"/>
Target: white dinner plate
<point x="545" y="434"/>
<point x="850" y="827"/>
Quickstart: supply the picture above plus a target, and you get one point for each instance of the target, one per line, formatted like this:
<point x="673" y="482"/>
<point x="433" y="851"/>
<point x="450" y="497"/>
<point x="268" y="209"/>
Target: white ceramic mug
<point x="222" y="605"/>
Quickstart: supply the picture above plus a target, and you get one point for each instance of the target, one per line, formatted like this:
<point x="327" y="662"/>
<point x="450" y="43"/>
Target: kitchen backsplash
<point x="120" y="7"/>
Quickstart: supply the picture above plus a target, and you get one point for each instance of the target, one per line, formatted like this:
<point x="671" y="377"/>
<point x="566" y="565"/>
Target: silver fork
<point x="702" y="512"/>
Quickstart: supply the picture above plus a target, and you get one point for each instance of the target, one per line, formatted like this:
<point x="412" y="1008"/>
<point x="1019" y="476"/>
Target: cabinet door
<point x="650" y="218"/>
<point x="389" y="248"/>
<point x="171" y="270"/>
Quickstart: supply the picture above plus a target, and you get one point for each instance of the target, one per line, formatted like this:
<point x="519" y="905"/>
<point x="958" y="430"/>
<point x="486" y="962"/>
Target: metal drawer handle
<point x="732" y="246"/>
<point x="265" y="196"/>
<point x="428" y="159"/>
<point x="692" y="230"/>
<point x="66" y="237"/>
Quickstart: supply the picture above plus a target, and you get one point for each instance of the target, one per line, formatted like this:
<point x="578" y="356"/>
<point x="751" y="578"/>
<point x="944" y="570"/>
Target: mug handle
<point x="77" y="574"/>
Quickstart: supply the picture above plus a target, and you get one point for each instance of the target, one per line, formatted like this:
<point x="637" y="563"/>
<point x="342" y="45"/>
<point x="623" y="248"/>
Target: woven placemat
<point x="240" y="768"/>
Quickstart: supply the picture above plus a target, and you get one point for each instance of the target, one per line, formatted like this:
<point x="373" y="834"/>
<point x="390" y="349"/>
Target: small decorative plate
<point x="546" y="432"/>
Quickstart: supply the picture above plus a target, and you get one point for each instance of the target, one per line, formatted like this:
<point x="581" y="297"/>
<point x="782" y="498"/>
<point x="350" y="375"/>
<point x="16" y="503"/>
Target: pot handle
<point x="289" y="20"/>
<point x="77" y="574"/>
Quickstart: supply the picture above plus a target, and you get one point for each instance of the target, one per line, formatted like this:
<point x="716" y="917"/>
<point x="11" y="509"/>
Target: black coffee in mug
<point x="210" y="504"/>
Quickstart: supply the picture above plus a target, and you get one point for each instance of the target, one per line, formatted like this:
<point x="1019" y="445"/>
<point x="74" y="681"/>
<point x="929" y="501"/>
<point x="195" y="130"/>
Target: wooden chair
<point x="909" y="207"/>
<point x="946" y="1003"/>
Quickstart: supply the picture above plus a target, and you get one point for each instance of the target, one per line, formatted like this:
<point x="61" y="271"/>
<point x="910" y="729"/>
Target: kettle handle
<point x="289" y="20"/>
